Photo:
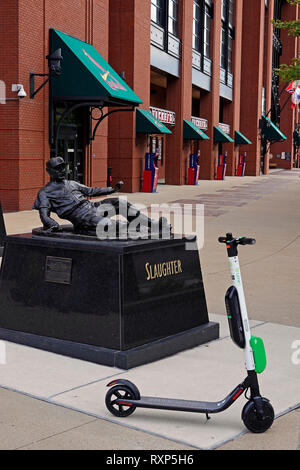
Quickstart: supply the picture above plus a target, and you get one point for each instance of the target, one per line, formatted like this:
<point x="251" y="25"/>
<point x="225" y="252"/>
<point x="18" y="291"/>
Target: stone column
<point x="232" y="111"/>
<point x="210" y="102"/>
<point x="252" y="79"/>
<point x="179" y="99"/>
<point x="287" y="115"/>
<point x="129" y="52"/>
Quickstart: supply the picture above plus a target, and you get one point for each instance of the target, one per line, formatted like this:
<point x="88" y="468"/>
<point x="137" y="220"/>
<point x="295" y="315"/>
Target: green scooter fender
<point x="259" y="354"/>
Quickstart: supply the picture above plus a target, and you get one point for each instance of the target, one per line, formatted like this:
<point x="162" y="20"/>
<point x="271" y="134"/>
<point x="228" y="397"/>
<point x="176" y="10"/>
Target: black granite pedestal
<point x="118" y="303"/>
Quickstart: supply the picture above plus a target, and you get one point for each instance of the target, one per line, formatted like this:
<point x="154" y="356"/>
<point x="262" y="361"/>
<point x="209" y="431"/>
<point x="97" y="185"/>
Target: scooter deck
<point x="176" y="405"/>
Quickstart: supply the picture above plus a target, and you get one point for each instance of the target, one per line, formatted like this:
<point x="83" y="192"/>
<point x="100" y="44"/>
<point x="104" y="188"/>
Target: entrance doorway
<point x="71" y="141"/>
<point x="70" y="148"/>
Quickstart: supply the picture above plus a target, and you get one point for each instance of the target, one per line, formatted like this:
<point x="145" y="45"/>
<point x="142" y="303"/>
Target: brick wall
<point x="24" y="134"/>
<point x="287" y="116"/>
<point x="9" y="112"/>
<point x="120" y="31"/>
<point x="251" y="86"/>
<point x="129" y="52"/>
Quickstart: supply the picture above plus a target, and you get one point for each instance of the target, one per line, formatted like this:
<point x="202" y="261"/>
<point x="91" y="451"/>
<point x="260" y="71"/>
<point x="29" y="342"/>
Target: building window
<point x="164" y="26"/>
<point x="277" y="53"/>
<point x="173" y="17"/>
<point x="223" y="47"/>
<point x="197" y="26"/>
<point x="202" y="27"/>
<point x="227" y="38"/>
<point x="201" y="34"/>
<point x="277" y="45"/>
<point x="158" y="12"/>
<point x="165" y="14"/>
<point x="230" y="53"/>
<point x="207" y="30"/>
<point x="231" y="13"/>
<point x="224" y="10"/>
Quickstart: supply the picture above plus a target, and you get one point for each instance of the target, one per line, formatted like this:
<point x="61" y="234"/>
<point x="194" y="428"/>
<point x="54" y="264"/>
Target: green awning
<point x="221" y="136"/>
<point x="271" y="132"/>
<point x="86" y="76"/>
<point x="192" y="132"/>
<point x="240" y="139"/>
<point x="146" y="123"/>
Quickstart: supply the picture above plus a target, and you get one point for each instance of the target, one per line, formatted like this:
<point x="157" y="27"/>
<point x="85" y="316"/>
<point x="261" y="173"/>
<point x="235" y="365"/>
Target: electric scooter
<point x="258" y="415"/>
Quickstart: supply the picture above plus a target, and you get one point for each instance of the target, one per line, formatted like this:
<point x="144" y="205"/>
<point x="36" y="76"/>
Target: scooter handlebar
<point x="239" y="241"/>
<point x="247" y="241"/>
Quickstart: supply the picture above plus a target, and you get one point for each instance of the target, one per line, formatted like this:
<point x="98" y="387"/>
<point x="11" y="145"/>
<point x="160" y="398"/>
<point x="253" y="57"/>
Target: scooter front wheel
<point x="254" y="422"/>
<point x="120" y="392"/>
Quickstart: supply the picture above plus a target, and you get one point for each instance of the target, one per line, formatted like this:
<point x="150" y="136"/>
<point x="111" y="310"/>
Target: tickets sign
<point x="164" y="116"/>
<point x="200" y="123"/>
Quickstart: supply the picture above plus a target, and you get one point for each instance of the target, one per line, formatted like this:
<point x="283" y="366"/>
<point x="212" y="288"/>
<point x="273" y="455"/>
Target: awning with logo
<point x="146" y="123"/>
<point x="271" y="132"/>
<point x="220" y="137"/>
<point x="192" y="132"/>
<point x="240" y="139"/>
<point x="86" y="76"/>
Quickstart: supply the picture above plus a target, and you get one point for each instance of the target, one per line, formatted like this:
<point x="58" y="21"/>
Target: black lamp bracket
<point x="32" y="76"/>
<point x="54" y="60"/>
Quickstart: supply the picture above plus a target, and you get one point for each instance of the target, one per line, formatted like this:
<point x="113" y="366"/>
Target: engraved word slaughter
<point x="168" y="268"/>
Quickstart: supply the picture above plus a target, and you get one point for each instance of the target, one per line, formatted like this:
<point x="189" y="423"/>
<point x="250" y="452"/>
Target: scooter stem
<point x="235" y="271"/>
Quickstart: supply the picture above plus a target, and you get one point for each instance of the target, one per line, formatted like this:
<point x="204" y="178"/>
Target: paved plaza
<point x="55" y="402"/>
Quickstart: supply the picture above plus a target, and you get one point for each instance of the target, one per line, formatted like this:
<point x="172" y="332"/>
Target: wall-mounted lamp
<point x="54" y="60"/>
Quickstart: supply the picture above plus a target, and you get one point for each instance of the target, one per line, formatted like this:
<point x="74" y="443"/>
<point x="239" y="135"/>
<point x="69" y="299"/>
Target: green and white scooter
<point x="258" y="415"/>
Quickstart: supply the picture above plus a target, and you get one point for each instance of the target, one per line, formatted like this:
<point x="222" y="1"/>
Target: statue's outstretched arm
<point x="48" y="223"/>
<point x="95" y="192"/>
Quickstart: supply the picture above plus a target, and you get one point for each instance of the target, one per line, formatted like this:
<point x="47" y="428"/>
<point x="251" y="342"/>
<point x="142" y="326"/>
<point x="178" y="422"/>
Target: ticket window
<point x="157" y="143"/>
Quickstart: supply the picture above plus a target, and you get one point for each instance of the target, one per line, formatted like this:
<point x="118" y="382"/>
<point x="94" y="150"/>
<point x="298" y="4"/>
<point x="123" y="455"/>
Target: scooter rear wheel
<point x="255" y="423"/>
<point x="120" y="392"/>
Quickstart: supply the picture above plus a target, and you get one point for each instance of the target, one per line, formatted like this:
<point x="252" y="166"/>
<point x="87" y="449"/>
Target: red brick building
<point x="208" y="62"/>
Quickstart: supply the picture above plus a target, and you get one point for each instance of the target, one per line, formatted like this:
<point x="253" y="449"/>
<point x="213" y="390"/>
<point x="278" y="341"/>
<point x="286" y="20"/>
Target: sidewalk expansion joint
<point x="56" y="434"/>
<point x="85" y="385"/>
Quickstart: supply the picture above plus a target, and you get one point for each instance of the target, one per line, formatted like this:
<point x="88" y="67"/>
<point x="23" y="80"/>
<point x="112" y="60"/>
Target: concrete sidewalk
<point x="60" y="401"/>
<point x="33" y="424"/>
